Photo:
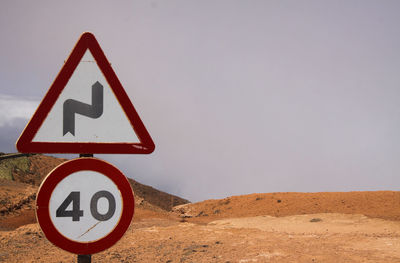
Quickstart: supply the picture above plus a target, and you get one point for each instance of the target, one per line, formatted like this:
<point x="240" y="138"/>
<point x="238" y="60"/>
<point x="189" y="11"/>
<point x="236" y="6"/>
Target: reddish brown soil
<point x="378" y="204"/>
<point x="239" y="236"/>
<point x="16" y="204"/>
<point x="276" y="227"/>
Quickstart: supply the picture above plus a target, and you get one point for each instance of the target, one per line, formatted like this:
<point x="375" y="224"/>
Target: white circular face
<point x="85" y="206"/>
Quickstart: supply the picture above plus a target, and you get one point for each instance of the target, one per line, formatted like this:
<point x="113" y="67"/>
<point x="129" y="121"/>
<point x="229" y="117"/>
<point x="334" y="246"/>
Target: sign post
<point x="85" y="258"/>
<point x="85" y="205"/>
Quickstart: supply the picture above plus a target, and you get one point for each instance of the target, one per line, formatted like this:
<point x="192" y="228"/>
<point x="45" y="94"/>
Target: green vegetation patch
<point x="7" y="166"/>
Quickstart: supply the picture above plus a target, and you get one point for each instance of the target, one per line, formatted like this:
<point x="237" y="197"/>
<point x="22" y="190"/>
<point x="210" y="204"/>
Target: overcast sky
<point x="238" y="96"/>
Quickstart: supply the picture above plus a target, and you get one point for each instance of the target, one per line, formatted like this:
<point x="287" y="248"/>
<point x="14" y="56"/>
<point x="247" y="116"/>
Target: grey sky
<point x="239" y="96"/>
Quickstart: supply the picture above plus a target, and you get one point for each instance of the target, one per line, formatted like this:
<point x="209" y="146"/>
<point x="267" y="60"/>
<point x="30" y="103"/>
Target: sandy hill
<point x="374" y="204"/>
<point x="270" y="227"/>
<point x="21" y="175"/>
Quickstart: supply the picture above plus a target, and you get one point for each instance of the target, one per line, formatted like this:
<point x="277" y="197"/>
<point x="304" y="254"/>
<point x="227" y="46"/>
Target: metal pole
<point x="85" y="258"/>
<point x="86" y="155"/>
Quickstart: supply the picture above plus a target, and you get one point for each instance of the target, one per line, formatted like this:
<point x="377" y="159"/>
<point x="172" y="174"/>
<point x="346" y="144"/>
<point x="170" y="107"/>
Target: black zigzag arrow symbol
<point x="94" y="111"/>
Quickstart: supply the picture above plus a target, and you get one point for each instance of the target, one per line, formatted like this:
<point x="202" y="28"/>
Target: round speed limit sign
<point x="85" y="205"/>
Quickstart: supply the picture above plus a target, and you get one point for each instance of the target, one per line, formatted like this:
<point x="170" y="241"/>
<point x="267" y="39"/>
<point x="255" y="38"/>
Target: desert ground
<point x="262" y="227"/>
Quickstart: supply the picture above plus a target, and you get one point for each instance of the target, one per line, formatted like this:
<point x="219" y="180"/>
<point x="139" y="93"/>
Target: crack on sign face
<point x="89" y="229"/>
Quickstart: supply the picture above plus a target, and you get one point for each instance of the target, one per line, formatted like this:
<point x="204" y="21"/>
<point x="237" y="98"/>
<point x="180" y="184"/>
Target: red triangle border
<point x="86" y="41"/>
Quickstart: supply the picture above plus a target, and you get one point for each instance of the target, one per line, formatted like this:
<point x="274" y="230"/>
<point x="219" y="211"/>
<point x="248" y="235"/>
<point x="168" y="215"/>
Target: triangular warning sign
<point x="86" y="110"/>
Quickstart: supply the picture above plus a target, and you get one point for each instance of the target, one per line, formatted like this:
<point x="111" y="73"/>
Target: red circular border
<point x="58" y="174"/>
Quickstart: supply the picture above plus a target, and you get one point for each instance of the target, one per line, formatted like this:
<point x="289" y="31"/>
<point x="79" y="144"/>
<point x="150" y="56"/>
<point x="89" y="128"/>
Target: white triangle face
<point x="111" y="125"/>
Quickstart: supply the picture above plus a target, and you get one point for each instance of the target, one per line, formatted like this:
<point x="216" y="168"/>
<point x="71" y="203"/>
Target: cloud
<point x="9" y="135"/>
<point x="14" y="114"/>
<point x="13" y="109"/>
